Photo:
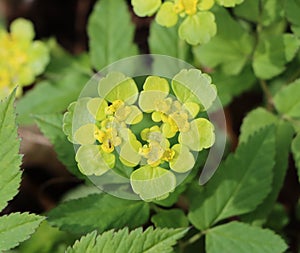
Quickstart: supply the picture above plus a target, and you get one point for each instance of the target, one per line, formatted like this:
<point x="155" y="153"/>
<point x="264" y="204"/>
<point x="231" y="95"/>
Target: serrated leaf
<point x="232" y="42"/>
<point x="174" y="218"/>
<point x="287" y="100"/>
<point x="242" y="238"/>
<point x="254" y="121"/>
<point x="231" y="86"/>
<point x="48" y="97"/>
<point x="10" y="160"/>
<point x="99" y="211"/>
<point x="46" y="239"/>
<point x="292" y="9"/>
<point x="137" y="241"/>
<point x="51" y="127"/>
<point x="272" y="53"/>
<point x="239" y="185"/>
<point x="109" y="43"/>
<point x="296" y="152"/>
<point x="284" y="134"/>
<point x="16" y="228"/>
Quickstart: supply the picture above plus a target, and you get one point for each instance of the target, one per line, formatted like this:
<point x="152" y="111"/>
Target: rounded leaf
<point x="166" y="15"/>
<point x="38" y="57"/>
<point x="135" y="116"/>
<point x="198" y="28"/>
<point x="183" y="160"/>
<point x="229" y="3"/>
<point x="205" y="5"/>
<point x="93" y="161"/>
<point x="194" y="86"/>
<point x="22" y="29"/>
<point x="144" y="8"/>
<point x="116" y="86"/>
<point x="67" y="122"/>
<point x="80" y="114"/>
<point x="152" y="183"/>
<point x="96" y="107"/>
<point x="156" y="83"/>
<point x="85" y="134"/>
<point x="129" y="153"/>
<point x="200" y="136"/>
<point x="25" y="75"/>
<point x="149" y="100"/>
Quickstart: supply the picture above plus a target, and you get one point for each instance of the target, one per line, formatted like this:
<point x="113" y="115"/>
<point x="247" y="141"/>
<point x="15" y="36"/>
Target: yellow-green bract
<point x="198" y="25"/>
<point x="153" y="133"/>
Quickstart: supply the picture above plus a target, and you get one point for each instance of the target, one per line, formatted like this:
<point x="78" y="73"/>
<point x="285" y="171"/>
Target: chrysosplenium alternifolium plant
<point x="21" y="58"/>
<point x="151" y="133"/>
<point x="198" y="25"/>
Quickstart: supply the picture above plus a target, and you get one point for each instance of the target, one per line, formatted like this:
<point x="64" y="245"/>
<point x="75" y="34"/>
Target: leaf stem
<point x="192" y="240"/>
<point x="155" y="208"/>
<point x="268" y="95"/>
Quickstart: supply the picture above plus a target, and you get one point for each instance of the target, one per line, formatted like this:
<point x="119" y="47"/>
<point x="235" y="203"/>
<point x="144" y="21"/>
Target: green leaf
<point x="100" y="212"/>
<point x="22" y="29"/>
<point x="287" y="100"/>
<point x="254" y="121"/>
<point x="199" y="28"/>
<point x="16" y="228"/>
<point x="10" y="160"/>
<point x="62" y="62"/>
<point x="264" y="12"/>
<point x="145" y="8"/>
<point x="164" y="41"/>
<point x="51" y="127"/>
<point x="278" y="218"/>
<point x="109" y="43"/>
<point x="46" y="239"/>
<point x="231" y="86"/>
<point x="62" y="93"/>
<point x="174" y="218"/>
<point x="242" y="238"/>
<point x="292" y="9"/>
<point x="272" y="53"/>
<point x="232" y="43"/>
<point x="284" y="135"/>
<point x="137" y="241"/>
<point x="167" y="42"/>
<point x="194" y="86"/>
<point x="296" y="152"/>
<point x="238" y="185"/>
<point x="152" y="183"/>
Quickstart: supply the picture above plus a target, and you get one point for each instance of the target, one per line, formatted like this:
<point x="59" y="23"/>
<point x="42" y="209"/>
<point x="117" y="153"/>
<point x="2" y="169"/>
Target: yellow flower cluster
<point x="21" y="58"/>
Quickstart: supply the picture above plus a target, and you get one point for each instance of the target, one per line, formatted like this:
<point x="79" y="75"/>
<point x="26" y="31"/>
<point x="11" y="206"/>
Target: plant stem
<point x="264" y="86"/>
<point x="192" y="240"/>
<point x="155" y="208"/>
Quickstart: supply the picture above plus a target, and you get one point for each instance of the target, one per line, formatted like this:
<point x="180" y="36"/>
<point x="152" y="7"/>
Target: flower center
<point x="153" y="152"/>
<point x="187" y="6"/>
<point x="108" y="138"/>
<point x="180" y="119"/>
<point x="110" y="110"/>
